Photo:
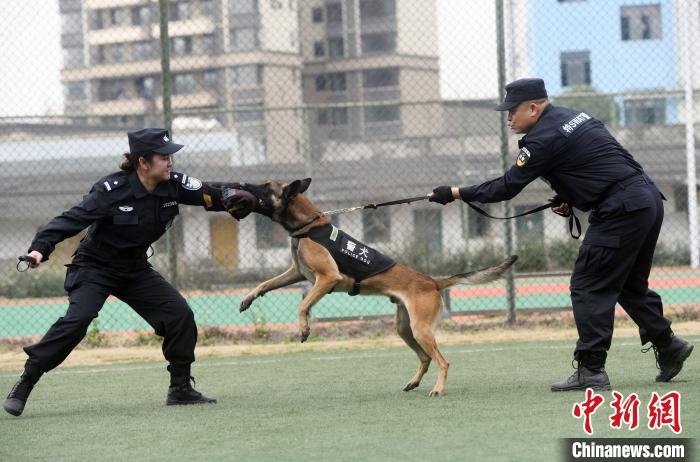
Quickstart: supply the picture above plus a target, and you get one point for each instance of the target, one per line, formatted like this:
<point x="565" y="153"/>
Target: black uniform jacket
<point x="573" y="152"/>
<point x="123" y="218"/>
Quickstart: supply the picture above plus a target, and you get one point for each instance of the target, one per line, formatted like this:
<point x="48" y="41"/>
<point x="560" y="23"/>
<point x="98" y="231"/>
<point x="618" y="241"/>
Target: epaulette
<point x="187" y="182"/>
<point x="112" y="182"/>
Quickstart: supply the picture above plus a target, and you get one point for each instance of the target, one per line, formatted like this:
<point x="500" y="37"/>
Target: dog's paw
<point x="245" y="304"/>
<point x="410" y="386"/>
<point x="305" y="334"/>
<point x="435" y="393"/>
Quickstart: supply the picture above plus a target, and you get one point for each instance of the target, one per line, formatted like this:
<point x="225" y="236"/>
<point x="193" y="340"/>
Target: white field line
<point x="112" y="369"/>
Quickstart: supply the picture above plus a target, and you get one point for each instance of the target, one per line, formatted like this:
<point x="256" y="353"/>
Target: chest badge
<point x="126" y="208"/>
<point x="523" y="157"/>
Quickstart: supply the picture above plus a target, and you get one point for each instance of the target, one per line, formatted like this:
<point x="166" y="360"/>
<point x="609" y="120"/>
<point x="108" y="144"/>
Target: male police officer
<point x="590" y="170"/>
<point x="126" y="212"/>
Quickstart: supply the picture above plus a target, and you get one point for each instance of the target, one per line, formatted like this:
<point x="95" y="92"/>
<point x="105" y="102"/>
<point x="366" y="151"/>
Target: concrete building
<point x="374" y="64"/>
<point x="229" y="58"/>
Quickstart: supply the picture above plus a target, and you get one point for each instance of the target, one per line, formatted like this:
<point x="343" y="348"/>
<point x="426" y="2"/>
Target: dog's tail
<point x="478" y="277"/>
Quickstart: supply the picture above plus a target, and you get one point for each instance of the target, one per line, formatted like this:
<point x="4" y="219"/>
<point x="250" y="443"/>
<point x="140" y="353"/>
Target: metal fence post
<point x="166" y="84"/>
<point x="507" y="210"/>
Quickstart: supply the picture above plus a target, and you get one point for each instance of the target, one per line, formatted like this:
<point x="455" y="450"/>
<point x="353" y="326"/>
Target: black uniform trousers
<point x="145" y="290"/>
<point x="614" y="263"/>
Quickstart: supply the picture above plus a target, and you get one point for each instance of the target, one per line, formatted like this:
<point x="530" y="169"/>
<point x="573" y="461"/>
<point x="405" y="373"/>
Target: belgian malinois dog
<point x="416" y="295"/>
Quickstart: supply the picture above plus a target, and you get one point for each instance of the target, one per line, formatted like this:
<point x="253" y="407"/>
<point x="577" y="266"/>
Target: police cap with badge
<point x="522" y="90"/>
<point x="152" y="140"/>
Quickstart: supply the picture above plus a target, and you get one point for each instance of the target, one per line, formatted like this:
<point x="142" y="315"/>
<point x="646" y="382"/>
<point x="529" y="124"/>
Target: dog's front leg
<point x="321" y="287"/>
<point x="290" y="276"/>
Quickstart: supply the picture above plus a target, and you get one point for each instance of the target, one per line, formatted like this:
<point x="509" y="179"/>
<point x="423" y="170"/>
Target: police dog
<point x="416" y="295"/>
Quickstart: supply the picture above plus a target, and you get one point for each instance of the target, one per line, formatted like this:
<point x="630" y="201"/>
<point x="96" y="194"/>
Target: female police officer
<point x="126" y="212"/>
<point x="590" y="170"/>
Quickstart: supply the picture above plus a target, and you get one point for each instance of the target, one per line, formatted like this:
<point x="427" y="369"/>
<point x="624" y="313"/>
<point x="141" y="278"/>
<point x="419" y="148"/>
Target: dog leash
<point x="573" y="219"/>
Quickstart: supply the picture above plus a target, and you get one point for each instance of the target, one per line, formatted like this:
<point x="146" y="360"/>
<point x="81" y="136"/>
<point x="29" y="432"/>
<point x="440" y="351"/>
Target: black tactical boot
<point x="181" y="392"/>
<point x="17" y="399"/>
<point x="590" y="373"/>
<point x="670" y="357"/>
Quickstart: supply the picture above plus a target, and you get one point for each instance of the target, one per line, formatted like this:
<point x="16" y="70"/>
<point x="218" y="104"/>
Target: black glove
<point x="442" y="195"/>
<point x="238" y="203"/>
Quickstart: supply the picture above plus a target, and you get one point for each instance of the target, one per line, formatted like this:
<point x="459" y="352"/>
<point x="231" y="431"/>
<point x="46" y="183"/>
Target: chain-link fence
<point x="373" y="99"/>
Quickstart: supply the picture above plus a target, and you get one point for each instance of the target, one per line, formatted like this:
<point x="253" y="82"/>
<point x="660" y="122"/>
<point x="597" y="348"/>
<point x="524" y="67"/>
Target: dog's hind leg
<point x="290" y="276"/>
<point x="403" y="328"/>
<point x="424" y="311"/>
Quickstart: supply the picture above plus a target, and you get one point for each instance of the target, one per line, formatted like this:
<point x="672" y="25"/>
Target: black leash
<point x="573" y="219"/>
<point x="25" y="261"/>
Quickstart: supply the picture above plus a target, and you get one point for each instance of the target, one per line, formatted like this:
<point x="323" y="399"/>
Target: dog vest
<point x="353" y="258"/>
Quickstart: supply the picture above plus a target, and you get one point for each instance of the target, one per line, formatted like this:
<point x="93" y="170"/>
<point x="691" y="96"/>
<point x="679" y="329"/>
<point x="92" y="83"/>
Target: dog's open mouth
<point x="264" y="206"/>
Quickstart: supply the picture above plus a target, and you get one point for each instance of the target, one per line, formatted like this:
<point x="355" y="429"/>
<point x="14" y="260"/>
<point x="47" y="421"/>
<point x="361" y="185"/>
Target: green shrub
<point x="672" y="254"/>
<point x="563" y="253"/>
<point x="532" y="256"/>
<point x="43" y="282"/>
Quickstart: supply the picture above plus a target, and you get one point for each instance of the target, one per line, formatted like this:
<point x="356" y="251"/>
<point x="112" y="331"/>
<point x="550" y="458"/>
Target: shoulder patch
<point x="110" y="184"/>
<point x="187" y="182"/>
<point x="523" y="157"/>
<point x="569" y="127"/>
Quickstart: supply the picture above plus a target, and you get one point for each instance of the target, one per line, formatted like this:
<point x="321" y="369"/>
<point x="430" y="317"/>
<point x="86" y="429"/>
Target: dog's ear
<point x="296" y="187"/>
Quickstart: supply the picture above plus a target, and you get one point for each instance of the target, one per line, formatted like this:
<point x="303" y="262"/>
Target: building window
<point x="245" y="38"/>
<point x="181" y="46"/>
<point x="317" y="15"/>
<point x="183" y="84"/>
<point x="334" y="12"/>
<point x="252" y="113"/>
<point x="72" y="57"/>
<point x="71" y="23"/>
<point x="378" y="114"/>
<point x="645" y="112"/>
<point x="319" y="49"/>
<point x="206" y="7"/>
<point x="145" y="87"/>
<point x="181" y="11"/>
<point x="208" y="43"/>
<point x="379" y="43"/>
<point x="333" y="116"/>
<point x="143" y="50"/>
<point x="336" y="48"/>
<point x="141" y="15"/>
<point x="640" y="22"/>
<point x="96" y="20"/>
<point x="248" y="75"/>
<point x="427" y="223"/>
<point x="108" y="90"/>
<point x="269" y="235"/>
<point x="575" y="68"/>
<point x="116" y="51"/>
<point x="478" y="224"/>
<point x="331" y="82"/>
<point x="243" y="6"/>
<point x="377" y="8"/>
<point x="387" y="77"/>
<point x="210" y="78"/>
<point x="376" y="227"/>
<point x="74" y="90"/>
<point x="116" y="17"/>
<point x="98" y="54"/>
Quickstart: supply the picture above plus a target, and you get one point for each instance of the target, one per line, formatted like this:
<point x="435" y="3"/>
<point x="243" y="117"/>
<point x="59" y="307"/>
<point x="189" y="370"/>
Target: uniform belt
<point x="623" y="184"/>
<point x="129" y="253"/>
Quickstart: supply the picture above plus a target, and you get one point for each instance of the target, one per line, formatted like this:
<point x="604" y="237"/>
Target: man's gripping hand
<point x="442" y="195"/>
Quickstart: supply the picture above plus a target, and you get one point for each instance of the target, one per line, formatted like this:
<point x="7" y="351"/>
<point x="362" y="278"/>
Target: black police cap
<point x="152" y="140"/>
<point x="522" y="90"/>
